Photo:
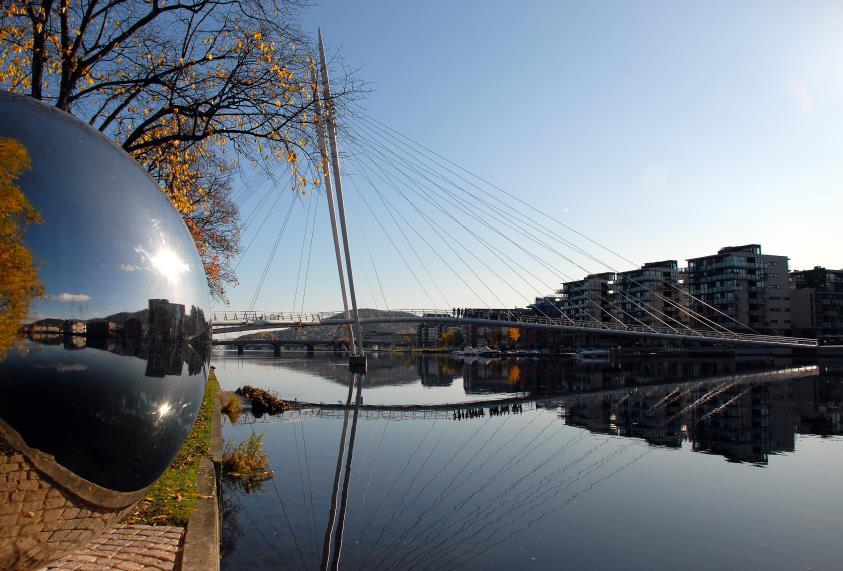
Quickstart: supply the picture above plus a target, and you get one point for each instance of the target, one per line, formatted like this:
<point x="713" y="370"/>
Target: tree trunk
<point x="37" y="64"/>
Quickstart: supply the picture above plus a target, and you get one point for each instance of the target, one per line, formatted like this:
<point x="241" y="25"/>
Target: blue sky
<point x="661" y="129"/>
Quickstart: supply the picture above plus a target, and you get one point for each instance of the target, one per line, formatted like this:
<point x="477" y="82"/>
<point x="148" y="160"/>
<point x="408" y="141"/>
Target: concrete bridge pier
<point x="311" y="349"/>
<point x="239" y="349"/>
<point x="276" y="349"/>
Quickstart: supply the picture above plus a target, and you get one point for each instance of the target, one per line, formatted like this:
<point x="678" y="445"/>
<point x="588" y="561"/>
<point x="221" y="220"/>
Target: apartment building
<point x="650" y="295"/>
<point x="587" y="299"/>
<point x="741" y="288"/>
<point x="777" y="295"/>
<point x="817" y="303"/>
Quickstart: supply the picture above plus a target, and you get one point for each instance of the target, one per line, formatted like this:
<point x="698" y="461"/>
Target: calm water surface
<point x="390" y="379"/>
<point x="647" y="464"/>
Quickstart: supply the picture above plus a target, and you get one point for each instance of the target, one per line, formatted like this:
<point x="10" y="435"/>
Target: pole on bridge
<point x="322" y="137"/>
<point x="358" y="358"/>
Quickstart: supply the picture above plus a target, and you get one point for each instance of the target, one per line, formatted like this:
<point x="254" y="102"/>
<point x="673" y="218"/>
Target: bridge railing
<point x="291" y="319"/>
<point x="270" y="317"/>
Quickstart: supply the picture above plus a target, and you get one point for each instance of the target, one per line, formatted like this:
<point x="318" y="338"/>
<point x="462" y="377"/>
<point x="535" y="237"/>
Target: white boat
<point x="593" y="353"/>
<point x="488" y="352"/>
<point x="467" y="351"/>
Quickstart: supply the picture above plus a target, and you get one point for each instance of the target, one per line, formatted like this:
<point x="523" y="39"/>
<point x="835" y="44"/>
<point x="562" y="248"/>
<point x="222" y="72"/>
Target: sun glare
<point x="169" y="265"/>
<point x="163" y="410"/>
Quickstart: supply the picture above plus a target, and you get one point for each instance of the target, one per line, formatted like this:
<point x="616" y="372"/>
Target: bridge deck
<point x="236" y="321"/>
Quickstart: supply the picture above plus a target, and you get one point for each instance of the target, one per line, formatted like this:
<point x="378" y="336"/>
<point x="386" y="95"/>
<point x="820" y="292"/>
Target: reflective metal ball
<point x="105" y="374"/>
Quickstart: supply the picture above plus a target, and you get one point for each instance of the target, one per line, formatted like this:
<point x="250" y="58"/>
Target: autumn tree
<point x="20" y="276"/>
<point x="514" y="334"/>
<point x="494" y="338"/>
<point x="194" y="90"/>
<point x="451" y="338"/>
<point x="213" y="221"/>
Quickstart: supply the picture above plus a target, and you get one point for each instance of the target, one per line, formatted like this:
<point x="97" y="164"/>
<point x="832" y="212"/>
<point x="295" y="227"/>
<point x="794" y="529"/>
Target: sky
<point x="663" y="130"/>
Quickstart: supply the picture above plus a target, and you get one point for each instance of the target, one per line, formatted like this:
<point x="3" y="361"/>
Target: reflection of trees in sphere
<point x="104" y="352"/>
<point x="20" y="276"/>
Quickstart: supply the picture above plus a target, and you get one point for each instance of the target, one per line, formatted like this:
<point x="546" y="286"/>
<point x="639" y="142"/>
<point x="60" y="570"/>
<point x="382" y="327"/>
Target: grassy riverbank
<point x="172" y="499"/>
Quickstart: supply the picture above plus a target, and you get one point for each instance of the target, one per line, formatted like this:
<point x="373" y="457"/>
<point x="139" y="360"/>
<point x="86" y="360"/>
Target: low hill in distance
<point x="386" y="332"/>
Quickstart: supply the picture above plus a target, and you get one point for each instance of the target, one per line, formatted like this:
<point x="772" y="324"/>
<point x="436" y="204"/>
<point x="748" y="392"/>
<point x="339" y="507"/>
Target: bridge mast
<point x="322" y="137"/>
<point x="358" y="357"/>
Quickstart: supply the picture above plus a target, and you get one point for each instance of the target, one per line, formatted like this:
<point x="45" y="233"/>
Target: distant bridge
<point x="239" y="321"/>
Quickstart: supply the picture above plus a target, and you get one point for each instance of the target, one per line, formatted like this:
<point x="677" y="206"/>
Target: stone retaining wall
<point x="202" y="537"/>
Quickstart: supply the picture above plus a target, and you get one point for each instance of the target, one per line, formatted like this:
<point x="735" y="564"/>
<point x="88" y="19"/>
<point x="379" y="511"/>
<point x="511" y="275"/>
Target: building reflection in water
<point x="744" y="419"/>
<point x="743" y="408"/>
<point x="749" y="415"/>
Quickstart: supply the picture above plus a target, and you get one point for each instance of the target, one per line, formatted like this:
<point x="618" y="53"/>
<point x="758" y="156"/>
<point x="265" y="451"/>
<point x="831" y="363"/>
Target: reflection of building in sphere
<point x="197" y="357"/>
<point x="164" y="359"/>
<point x="75" y="342"/>
<point x="166" y="320"/>
<point x="75" y="327"/>
<point x="133" y="328"/>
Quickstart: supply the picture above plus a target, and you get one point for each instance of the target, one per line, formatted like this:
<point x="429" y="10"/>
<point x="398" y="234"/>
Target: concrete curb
<point x="202" y="537"/>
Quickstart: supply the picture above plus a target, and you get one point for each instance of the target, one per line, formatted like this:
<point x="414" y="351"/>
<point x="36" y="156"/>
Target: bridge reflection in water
<point x="566" y="479"/>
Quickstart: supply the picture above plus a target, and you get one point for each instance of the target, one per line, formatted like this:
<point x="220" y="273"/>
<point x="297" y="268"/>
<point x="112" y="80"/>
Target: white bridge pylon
<point x="239" y="321"/>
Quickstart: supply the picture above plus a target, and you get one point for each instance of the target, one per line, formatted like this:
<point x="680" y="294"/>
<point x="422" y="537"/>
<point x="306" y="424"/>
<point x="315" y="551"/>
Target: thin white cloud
<point x="128" y="268"/>
<point x="70" y="297"/>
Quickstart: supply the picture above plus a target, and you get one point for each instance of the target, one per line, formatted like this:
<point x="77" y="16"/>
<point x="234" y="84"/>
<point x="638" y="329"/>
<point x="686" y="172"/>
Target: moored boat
<point x="467" y="351"/>
<point x="593" y="353"/>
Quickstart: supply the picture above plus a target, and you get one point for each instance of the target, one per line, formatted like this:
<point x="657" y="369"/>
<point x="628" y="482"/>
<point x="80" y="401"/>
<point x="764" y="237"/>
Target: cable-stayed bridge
<point x="493" y="248"/>
<point x="490" y="244"/>
<point x="240" y="321"/>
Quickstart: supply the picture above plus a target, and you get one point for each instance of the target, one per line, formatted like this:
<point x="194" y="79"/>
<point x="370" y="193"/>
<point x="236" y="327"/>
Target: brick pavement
<point x="128" y="548"/>
<point x="39" y="518"/>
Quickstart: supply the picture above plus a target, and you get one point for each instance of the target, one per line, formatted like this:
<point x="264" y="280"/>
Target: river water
<point x="647" y="463"/>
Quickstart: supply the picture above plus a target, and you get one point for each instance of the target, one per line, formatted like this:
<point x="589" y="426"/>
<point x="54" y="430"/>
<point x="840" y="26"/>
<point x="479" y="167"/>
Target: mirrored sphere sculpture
<point x="104" y="338"/>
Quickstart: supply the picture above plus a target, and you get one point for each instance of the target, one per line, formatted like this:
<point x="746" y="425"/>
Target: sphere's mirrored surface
<point x="104" y="376"/>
